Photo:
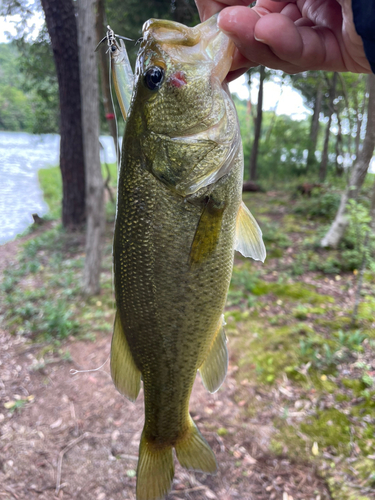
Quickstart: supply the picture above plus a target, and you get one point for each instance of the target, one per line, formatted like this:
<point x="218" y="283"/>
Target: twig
<point x="9" y="490"/>
<point x="129" y="457"/>
<point x="188" y="490"/>
<point x="67" y="448"/>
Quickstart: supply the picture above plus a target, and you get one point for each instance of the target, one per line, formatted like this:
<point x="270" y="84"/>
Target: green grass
<point x="51" y="184"/>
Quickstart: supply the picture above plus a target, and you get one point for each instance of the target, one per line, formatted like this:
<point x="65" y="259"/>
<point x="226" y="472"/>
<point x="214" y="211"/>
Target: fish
<point x="180" y="216"/>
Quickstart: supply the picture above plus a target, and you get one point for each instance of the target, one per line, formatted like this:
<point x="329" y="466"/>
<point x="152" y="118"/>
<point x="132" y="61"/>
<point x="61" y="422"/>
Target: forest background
<point x="301" y="383"/>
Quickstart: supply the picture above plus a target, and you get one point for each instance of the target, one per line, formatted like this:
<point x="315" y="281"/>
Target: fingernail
<point x="218" y="22"/>
<point x="260" y="40"/>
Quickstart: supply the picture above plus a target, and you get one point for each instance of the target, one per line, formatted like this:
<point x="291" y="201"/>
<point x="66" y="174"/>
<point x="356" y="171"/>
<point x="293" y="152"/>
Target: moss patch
<point x="330" y="429"/>
<point x="295" y="291"/>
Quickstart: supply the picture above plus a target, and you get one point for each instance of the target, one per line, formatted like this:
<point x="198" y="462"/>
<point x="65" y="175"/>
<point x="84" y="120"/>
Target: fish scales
<point x="179" y="219"/>
<point x="166" y="305"/>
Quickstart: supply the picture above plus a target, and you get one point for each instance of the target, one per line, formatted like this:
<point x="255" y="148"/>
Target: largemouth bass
<point x="179" y="219"/>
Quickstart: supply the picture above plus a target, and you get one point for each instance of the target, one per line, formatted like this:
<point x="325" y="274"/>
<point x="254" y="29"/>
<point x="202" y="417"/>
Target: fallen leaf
<point x="315" y="449"/>
<point x="210" y="494"/>
<point x="56" y="424"/>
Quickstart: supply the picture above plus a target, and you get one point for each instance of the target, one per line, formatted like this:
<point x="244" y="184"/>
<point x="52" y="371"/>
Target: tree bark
<point x="90" y="120"/>
<point x="324" y="162"/>
<point x="258" y="127"/>
<point x="314" y="130"/>
<point x="101" y="28"/>
<point x="360" y="111"/>
<point x="372" y="208"/>
<point x="62" y="29"/>
<point x="339" y="166"/>
<point x="358" y="174"/>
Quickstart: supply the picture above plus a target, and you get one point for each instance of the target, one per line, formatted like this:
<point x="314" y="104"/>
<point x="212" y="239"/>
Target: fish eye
<point x="154" y="77"/>
<point x="113" y="48"/>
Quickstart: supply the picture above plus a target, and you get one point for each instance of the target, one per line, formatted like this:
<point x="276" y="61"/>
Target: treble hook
<point x="111" y="38"/>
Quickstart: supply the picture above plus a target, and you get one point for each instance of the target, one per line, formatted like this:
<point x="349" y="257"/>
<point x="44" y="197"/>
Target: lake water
<point x="21" y="156"/>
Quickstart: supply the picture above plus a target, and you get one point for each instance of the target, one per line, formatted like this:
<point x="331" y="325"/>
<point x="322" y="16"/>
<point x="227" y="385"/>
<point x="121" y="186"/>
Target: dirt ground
<point x="73" y="436"/>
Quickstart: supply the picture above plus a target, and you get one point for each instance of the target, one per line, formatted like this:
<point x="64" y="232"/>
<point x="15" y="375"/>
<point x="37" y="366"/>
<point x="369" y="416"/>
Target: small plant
<point x="56" y="320"/>
<point x="301" y="312"/>
<point x="351" y="340"/>
<point x="244" y="281"/>
<point x="325" y="354"/>
<point x="319" y="206"/>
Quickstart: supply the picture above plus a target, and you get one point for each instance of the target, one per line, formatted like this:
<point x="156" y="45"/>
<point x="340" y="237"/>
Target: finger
<point x="291" y="11"/>
<point x="304" y="46"/>
<point x="241" y="64"/>
<point x="263" y="7"/>
<point x="208" y="8"/>
<point x="238" y="23"/>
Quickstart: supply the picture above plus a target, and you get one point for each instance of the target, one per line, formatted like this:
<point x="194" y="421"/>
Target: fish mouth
<point x="202" y="43"/>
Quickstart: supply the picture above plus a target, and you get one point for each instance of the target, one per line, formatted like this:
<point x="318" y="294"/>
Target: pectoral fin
<point x="207" y="233"/>
<point x="125" y="375"/>
<point x="249" y="239"/>
<point x="215" y="366"/>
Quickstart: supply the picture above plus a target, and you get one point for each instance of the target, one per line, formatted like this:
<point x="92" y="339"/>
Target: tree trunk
<point x="357" y="176"/>
<point x="62" y="29"/>
<point x="339" y="166"/>
<point x="360" y="111"/>
<point x="258" y="127"/>
<point x="314" y="130"/>
<point x="372" y="208"/>
<point x="101" y="29"/>
<point x="324" y="162"/>
<point x="90" y="120"/>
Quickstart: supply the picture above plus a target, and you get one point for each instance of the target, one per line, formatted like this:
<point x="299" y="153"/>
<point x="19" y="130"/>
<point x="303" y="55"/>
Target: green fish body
<point x="179" y="219"/>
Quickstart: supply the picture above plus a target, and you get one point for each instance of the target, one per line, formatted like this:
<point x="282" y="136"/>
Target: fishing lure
<point x="120" y="68"/>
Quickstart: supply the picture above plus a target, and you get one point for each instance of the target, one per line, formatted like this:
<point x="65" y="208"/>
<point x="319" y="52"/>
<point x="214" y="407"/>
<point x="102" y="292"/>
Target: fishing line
<point x="117" y="145"/>
<point x="74" y="372"/>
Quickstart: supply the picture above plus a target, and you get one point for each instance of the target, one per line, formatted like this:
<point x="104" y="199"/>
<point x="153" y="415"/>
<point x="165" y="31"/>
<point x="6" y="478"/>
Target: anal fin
<point x="125" y="374"/>
<point x="193" y="452"/>
<point x="215" y="366"/>
<point x="249" y="239"/>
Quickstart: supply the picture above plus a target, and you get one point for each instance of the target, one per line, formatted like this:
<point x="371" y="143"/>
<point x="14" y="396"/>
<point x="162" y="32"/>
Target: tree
<point x="314" y="128"/>
<point x="357" y="176"/>
<point x="38" y="72"/>
<point x="258" y="126"/>
<point x="324" y="161"/>
<point x="313" y="88"/>
<point x="62" y="29"/>
<point x="90" y="122"/>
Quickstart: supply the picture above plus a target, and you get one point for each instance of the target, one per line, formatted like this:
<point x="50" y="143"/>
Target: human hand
<point x="293" y="36"/>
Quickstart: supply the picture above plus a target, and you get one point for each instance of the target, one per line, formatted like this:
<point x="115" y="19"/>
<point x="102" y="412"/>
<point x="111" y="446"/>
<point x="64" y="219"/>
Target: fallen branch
<point x="67" y="448"/>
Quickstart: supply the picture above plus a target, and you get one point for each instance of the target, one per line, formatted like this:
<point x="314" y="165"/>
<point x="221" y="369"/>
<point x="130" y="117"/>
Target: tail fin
<point x="155" y="471"/>
<point x="193" y="451"/>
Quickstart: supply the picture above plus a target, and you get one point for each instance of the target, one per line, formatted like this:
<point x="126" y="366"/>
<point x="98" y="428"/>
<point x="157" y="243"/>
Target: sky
<point x="8" y="25"/>
<point x="282" y="99"/>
